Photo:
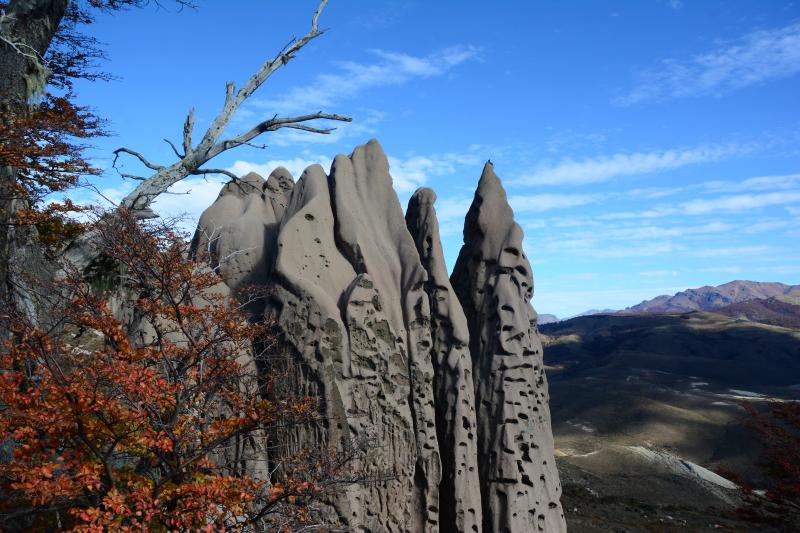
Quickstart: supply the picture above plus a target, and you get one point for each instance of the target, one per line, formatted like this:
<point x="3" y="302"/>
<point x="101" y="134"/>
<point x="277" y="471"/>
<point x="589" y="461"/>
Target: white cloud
<point x="766" y="225"/>
<point x="535" y="203"/>
<point x="295" y="165"/>
<point x="593" y="246"/>
<point x="755" y="58"/>
<point x="450" y="212"/>
<point x="393" y="68"/>
<point x="760" y="183"/>
<point x="413" y="171"/>
<point x="741" y="251"/>
<point x="189" y="198"/>
<point x="604" y="168"/>
<point x="740" y="202"/>
<point x="651" y="193"/>
<point x="724" y="204"/>
<point x="645" y="232"/>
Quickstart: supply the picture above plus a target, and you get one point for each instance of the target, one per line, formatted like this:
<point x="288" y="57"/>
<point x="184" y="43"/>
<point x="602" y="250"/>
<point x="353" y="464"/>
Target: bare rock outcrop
<point x="371" y="326"/>
<point x="520" y="488"/>
<point x="371" y="231"/>
<point x="460" y="499"/>
<point x="239" y="230"/>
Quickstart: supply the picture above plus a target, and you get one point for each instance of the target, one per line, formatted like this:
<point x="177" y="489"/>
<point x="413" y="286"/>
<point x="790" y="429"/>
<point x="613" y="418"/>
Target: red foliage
<point x="160" y="422"/>
<point x="779" y="430"/>
<point x="41" y="143"/>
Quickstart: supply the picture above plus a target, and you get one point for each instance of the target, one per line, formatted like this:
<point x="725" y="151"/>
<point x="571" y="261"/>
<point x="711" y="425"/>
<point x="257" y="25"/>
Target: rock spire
<point x="445" y="380"/>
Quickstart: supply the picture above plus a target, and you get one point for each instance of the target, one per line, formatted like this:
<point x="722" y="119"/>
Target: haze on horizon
<point x="646" y="147"/>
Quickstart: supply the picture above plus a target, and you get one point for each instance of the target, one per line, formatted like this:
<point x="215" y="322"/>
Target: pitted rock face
<point x="371" y="232"/>
<point x="492" y="277"/>
<point x="373" y="328"/>
<point x="460" y="500"/>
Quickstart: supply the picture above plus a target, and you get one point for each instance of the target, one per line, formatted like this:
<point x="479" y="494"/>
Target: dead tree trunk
<point x="83" y="252"/>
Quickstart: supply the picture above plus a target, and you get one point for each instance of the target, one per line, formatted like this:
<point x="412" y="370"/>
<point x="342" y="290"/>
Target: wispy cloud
<point x="739" y="202"/>
<point x="739" y="251"/>
<point x="760" y="183"/>
<point x="606" y="167"/>
<point x="536" y="203"/>
<point x="295" y="165"/>
<point x="413" y="171"/>
<point x="391" y="68"/>
<point x="754" y="58"/>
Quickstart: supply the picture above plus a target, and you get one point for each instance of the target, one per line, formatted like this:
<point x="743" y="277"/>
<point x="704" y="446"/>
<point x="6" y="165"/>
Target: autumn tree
<point x="777" y="505"/>
<point x="42" y="135"/>
<point x="150" y="405"/>
<point x="42" y="131"/>
<point x="164" y="423"/>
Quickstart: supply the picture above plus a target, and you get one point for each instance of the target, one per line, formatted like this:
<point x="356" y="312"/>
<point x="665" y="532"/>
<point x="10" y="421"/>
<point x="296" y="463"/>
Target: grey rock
<point x="460" y="498"/>
<point x="493" y="280"/>
<point x="371" y="232"/>
<point x="238" y="232"/>
<point x="371" y="326"/>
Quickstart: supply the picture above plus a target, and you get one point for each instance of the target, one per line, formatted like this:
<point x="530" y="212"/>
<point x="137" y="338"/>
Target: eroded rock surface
<point x="460" y="500"/>
<point x="373" y="328"/>
<point x="371" y="231"/>
<point x="239" y="230"/>
<point x="520" y="488"/>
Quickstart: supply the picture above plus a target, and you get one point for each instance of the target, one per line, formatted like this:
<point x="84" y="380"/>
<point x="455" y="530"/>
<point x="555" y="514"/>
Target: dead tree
<point x="194" y="156"/>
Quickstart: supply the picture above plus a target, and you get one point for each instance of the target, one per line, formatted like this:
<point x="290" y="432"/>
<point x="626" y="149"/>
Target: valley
<point x="647" y="407"/>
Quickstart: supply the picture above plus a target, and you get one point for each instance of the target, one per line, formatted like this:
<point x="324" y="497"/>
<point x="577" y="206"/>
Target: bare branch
<point x="324" y="131"/>
<point x="263" y="73"/>
<point x="204" y="171"/>
<point x="188" y="126"/>
<point x="194" y="158"/>
<point x="315" y="18"/>
<point x="276" y="123"/>
<point x="131" y="176"/>
<point x="174" y="149"/>
<point x="137" y="155"/>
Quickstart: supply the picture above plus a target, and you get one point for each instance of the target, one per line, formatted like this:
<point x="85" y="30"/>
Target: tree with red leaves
<point x="778" y="505"/>
<point x="162" y="421"/>
<point x="42" y="135"/>
<point x="134" y="391"/>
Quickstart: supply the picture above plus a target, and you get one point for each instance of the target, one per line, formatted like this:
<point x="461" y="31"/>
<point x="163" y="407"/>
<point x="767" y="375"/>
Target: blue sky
<point x="646" y="146"/>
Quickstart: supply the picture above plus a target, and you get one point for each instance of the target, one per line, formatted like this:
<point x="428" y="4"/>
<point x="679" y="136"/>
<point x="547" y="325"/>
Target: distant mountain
<point x="711" y="298"/>
<point x="591" y="312"/>
<point x="770" y="311"/>
<point x="548" y="319"/>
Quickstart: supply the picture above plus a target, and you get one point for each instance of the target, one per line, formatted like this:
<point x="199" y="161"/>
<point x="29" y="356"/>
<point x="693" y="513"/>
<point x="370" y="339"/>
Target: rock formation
<point x="520" y="489"/>
<point x="367" y="315"/>
<point x="460" y="501"/>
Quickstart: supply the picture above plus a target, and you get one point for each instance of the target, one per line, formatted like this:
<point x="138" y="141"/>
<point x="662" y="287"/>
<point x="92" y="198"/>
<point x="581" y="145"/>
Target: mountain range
<point x="710" y="298"/>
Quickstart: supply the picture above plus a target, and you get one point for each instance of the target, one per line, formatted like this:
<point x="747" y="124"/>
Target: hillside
<point x="769" y="311"/>
<point x="709" y="298"/>
<point x="652" y="402"/>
